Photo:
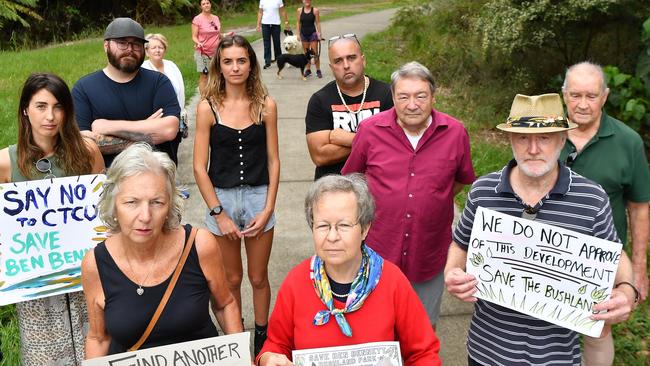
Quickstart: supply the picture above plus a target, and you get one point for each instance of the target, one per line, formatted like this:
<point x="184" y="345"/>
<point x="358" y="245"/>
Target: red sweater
<point x="392" y="312"/>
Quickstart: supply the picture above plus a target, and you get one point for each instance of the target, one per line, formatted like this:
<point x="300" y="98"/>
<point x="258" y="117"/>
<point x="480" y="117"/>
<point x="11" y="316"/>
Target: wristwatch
<point x="216" y="210"/>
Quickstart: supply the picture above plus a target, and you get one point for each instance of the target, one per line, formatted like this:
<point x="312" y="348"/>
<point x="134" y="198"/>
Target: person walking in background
<point x="237" y="169"/>
<point x="336" y="110"/>
<point x="124" y="103"/>
<point x="49" y="146"/>
<point x="268" y="21"/>
<point x="610" y="153"/>
<point x="126" y="276"/>
<point x="309" y="33"/>
<point x="206" y="34"/>
<point x="416" y="160"/>
<point x="155" y="48"/>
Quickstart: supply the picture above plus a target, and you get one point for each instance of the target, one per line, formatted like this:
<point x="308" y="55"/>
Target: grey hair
<point x="137" y="159"/>
<point x="354" y="183"/>
<point x="158" y="37"/>
<point x="588" y="65"/>
<point x="413" y="70"/>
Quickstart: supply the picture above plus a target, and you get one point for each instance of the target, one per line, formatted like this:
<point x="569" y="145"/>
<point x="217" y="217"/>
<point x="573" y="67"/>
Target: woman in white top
<point x="156" y="47"/>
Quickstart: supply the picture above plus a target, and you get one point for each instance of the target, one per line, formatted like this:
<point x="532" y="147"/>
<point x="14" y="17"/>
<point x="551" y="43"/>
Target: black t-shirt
<point x="326" y="112"/>
<point x="97" y="96"/>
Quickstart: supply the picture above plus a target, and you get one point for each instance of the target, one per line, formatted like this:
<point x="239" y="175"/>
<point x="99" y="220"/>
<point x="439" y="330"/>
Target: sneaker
<point x="307" y="73"/>
<point x="319" y="74"/>
<point x="260" y="338"/>
<point x="266" y="66"/>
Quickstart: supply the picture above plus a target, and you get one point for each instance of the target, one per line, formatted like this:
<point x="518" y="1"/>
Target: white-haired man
<point x="610" y="153"/>
<point x="537" y="186"/>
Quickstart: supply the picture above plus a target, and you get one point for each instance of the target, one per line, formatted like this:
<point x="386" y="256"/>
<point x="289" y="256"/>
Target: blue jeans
<point x="268" y="31"/>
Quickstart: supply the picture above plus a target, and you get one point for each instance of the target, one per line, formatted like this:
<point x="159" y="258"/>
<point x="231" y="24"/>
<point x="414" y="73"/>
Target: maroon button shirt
<point x="413" y="189"/>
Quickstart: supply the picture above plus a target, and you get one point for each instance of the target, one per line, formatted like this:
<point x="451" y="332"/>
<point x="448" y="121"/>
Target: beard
<point x="123" y="64"/>
<point x="548" y="166"/>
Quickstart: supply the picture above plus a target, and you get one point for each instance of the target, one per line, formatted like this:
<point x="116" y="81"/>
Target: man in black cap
<point x="123" y="103"/>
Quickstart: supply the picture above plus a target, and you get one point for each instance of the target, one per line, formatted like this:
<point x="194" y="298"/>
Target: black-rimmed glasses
<point x="344" y="36"/>
<point x="123" y="45"/>
<point x="571" y="158"/>
<point x="44" y="165"/>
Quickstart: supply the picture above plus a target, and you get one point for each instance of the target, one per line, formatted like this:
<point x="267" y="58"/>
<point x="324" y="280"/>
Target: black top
<point x="237" y="157"/>
<point x="185" y="317"/>
<point x="326" y="111"/>
<point x="307" y="22"/>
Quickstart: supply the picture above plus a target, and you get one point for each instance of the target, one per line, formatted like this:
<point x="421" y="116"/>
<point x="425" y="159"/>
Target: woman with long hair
<point x="49" y="145"/>
<point x="206" y="35"/>
<point x="237" y="168"/>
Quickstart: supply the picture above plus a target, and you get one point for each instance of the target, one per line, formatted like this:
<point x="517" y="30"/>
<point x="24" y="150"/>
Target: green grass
<point x="474" y="104"/>
<point x="72" y="60"/>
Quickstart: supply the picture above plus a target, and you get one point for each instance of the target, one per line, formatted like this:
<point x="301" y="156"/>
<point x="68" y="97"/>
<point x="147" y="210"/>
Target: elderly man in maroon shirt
<point x="416" y="160"/>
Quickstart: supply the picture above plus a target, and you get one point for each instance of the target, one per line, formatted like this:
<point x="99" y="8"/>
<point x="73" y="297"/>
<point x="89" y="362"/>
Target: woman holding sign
<point x="346" y="294"/>
<point x="151" y="263"/>
<point x="49" y="146"/>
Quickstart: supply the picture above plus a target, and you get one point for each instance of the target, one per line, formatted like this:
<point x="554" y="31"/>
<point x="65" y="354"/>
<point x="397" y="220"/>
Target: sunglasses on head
<point x="345" y="36"/>
<point x="44" y="165"/>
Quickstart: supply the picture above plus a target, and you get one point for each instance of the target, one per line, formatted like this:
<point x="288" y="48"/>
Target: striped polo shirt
<point x="501" y="336"/>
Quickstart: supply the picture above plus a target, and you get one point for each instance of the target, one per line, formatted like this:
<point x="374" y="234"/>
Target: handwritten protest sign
<point x="229" y="350"/>
<point x="367" y="354"/>
<point x="46" y="227"/>
<point x="541" y="270"/>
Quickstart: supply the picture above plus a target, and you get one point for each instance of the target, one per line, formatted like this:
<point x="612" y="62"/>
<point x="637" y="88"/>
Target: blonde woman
<point x="237" y="169"/>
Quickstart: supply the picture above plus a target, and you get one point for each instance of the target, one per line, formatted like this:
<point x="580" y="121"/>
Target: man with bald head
<point x="335" y="111"/>
<point x="610" y="153"/>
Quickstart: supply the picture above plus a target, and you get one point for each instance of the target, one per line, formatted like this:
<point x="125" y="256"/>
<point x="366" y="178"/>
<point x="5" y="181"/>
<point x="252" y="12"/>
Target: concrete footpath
<point x="292" y="242"/>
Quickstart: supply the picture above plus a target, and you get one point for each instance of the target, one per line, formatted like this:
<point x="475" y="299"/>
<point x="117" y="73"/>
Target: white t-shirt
<point x="174" y="75"/>
<point x="271" y="11"/>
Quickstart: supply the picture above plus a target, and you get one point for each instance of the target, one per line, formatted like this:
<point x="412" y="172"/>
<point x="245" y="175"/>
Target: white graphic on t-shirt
<point x="350" y="122"/>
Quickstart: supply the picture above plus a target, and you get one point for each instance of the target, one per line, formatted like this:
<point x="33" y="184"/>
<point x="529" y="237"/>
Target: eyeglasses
<point x="571" y="158"/>
<point x="345" y="36"/>
<point x="44" y="165"/>
<point x="214" y="25"/>
<point x="342" y="227"/>
<point x="529" y="212"/>
<point x="124" y="45"/>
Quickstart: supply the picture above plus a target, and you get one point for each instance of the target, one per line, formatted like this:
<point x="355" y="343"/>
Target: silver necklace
<point x="339" y="295"/>
<point x="140" y="290"/>
<point x="363" y="99"/>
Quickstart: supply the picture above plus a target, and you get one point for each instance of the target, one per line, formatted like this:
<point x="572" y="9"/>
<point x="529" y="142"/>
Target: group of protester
<point x="384" y="249"/>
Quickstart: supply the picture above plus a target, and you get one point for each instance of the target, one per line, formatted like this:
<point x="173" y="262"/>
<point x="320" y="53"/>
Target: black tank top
<point x="237" y="157"/>
<point x="185" y="317"/>
<point x="307" y="22"/>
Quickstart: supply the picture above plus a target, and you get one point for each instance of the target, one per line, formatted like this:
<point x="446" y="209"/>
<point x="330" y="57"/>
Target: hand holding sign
<point x="461" y="285"/>
<point x="551" y="273"/>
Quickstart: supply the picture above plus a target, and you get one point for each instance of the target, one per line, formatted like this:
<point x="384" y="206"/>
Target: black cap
<point x="124" y="27"/>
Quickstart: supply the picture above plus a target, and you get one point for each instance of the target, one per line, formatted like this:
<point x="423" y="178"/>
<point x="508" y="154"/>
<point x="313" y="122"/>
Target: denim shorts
<point x="241" y="204"/>
<point x="309" y="37"/>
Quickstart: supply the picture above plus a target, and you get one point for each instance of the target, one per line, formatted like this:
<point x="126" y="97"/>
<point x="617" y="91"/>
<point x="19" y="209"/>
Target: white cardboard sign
<point x="46" y="227"/>
<point x="366" y="354"/>
<point x="548" y="272"/>
<point x="228" y="350"/>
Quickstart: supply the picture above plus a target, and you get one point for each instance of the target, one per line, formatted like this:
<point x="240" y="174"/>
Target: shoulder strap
<point x="168" y="292"/>
<point x="262" y="111"/>
<point x="217" y="117"/>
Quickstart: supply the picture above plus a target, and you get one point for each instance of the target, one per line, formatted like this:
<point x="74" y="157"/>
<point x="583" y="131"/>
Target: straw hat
<point x="537" y="114"/>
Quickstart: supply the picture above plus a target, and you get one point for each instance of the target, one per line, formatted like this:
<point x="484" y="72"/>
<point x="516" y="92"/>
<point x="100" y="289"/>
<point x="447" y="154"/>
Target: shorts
<point x="241" y="204"/>
<point x="430" y="294"/>
<point x="202" y="62"/>
<point x="309" y="38"/>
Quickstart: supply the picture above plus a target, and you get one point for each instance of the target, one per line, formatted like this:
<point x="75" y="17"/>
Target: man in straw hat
<point x="123" y="103"/>
<point x="536" y="186"/>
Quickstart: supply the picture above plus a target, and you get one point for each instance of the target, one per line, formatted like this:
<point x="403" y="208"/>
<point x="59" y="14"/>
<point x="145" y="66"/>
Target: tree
<point x="16" y="10"/>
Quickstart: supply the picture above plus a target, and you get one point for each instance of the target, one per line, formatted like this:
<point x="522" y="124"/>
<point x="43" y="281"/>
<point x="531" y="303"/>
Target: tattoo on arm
<point x="134" y="136"/>
<point x="112" y="145"/>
